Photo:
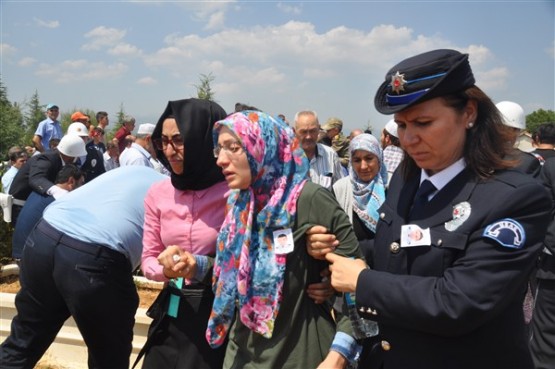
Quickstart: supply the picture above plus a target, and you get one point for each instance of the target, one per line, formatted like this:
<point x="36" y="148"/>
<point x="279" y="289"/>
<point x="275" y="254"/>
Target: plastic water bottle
<point x="362" y="328"/>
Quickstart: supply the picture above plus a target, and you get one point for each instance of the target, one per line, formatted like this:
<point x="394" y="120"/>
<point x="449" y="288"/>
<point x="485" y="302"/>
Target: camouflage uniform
<point x="340" y="144"/>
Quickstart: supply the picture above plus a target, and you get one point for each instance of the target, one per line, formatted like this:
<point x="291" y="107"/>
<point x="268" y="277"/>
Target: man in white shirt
<point x="325" y="167"/>
<point x="139" y="151"/>
<point x="111" y="156"/>
<point x="17" y="157"/>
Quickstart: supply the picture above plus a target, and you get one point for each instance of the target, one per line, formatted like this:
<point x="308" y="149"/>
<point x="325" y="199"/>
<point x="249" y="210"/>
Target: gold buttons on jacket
<point x="386" y="346"/>
<point x="394" y="247"/>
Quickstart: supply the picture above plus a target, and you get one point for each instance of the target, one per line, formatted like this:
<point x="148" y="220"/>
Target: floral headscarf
<point x="368" y="196"/>
<point x="247" y="268"/>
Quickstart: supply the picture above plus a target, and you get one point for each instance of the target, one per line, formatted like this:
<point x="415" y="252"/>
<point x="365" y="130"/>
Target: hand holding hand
<point x="177" y="263"/>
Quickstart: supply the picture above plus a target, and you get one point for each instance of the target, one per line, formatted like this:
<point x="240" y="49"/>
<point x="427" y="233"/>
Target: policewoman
<point x="452" y="297"/>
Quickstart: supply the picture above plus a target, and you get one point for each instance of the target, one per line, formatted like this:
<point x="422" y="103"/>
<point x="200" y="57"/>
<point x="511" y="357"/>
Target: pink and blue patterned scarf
<point x="368" y="196"/>
<point x="246" y="268"/>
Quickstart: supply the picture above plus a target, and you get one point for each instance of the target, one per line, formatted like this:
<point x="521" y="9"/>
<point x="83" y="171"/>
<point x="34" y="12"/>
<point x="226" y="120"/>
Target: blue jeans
<point x="59" y="277"/>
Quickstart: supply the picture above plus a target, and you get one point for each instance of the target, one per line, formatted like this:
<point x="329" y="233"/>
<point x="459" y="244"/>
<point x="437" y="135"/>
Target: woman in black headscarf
<point x="183" y="215"/>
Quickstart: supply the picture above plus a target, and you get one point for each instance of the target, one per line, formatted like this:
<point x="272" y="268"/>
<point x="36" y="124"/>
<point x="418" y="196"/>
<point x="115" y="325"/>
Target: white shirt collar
<point x="440" y="179"/>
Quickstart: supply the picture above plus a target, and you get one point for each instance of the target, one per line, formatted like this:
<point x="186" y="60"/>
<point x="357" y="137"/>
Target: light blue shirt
<point x="112" y="218"/>
<point x="135" y="155"/>
<point x="7" y="179"/>
<point x="48" y="129"/>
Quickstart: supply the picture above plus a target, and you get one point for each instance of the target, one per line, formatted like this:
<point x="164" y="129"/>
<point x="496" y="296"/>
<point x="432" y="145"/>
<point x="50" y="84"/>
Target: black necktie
<point x="421" y="199"/>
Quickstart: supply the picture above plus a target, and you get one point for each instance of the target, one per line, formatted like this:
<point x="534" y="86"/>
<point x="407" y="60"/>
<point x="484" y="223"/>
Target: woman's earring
<point x="470" y="125"/>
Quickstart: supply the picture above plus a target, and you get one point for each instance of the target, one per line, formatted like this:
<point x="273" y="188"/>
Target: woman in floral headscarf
<point x="256" y="280"/>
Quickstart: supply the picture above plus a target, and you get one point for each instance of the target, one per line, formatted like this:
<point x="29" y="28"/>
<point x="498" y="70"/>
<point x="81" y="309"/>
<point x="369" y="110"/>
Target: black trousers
<point x="59" y="277"/>
<point x="542" y="326"/>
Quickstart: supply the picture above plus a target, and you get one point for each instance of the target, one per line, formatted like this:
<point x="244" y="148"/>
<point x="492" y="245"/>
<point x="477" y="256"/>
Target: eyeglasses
<point x="162" y="143"/>
<point x="230" y="148"/>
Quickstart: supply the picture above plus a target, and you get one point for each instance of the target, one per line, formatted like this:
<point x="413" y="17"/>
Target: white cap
<point x="391" y="127"/>
<point x="513" y="114"/>
<point x="78" y="129"/>
<point x="72" y="145"/>
<point x="146" y="129"/>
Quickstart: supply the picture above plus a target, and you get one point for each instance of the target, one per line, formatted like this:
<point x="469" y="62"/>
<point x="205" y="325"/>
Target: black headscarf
<point x="195" y="119"/>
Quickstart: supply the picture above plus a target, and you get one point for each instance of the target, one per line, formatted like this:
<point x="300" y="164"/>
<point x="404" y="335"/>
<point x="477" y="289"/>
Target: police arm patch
<point x="507" y="232"/>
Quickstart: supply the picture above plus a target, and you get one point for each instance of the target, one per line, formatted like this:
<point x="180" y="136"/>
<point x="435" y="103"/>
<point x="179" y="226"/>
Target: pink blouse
<point x="188" y="219"/>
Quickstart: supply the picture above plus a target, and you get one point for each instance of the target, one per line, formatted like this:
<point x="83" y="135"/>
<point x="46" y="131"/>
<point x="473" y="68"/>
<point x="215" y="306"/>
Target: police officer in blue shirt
<point x="452" y="299"/>
<point x="79" y="261"/>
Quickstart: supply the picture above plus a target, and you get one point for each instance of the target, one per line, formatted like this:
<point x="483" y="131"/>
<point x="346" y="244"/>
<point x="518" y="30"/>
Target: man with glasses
<point x="325" y="167"/>
<point x="48" y="128"/>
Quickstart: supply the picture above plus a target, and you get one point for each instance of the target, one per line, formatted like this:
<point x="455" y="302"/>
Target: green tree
<point x="204" y="90"/>
<point x="11" y="131"/>
<point x="34" y="115"/>
<point x="540" y="116"/>
<point x="11" y="122"/>
<point x="119" y="121"/>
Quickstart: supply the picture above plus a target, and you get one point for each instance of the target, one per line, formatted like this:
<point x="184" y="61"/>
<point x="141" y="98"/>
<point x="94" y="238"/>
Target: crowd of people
<point x="281" y="244"/>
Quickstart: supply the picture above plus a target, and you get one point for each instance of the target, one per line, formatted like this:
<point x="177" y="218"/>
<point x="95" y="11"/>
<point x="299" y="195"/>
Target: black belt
<point x="86" y="247"/>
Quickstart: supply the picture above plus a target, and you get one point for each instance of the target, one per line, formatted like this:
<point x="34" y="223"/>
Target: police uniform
<point x="460" y="305"/>
<point x="94" y="164"/>
<point x="542" y="326"/>
<point x="454" y="300"/>
<point x="37" y="174"/>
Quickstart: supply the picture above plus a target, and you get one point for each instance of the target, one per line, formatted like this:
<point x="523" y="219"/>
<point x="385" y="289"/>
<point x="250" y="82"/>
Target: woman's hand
<point x="334" y="360"/>
<point x="344" y="272"/>
<point x="177" y="263"/>
<point x="319" y="242"/>
<point x="322" y="291"/>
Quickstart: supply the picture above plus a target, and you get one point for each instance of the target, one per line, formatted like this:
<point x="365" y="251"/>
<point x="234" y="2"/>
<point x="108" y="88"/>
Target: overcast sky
<point x="328" y="56"/>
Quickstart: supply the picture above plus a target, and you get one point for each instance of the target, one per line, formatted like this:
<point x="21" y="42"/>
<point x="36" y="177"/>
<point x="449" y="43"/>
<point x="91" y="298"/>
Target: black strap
<point x="157" y="311"/>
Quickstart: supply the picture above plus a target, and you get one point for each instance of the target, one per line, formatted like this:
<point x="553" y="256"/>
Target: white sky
<point x="281" y="57"/>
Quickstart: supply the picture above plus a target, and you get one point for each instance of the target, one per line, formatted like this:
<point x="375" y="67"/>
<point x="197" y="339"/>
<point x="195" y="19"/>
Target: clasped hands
<point x="177" y="263"/>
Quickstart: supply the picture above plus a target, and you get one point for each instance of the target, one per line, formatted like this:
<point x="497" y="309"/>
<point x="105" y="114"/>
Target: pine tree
<point x="204" y="90"/>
